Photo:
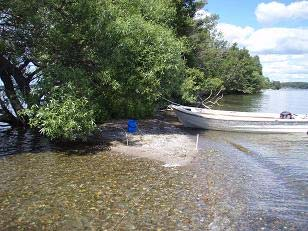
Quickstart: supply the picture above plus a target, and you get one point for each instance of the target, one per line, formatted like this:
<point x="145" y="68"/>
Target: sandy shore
<point x="158" y="139"/>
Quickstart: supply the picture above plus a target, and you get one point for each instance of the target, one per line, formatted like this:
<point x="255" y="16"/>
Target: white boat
<point x="240" y="121"/>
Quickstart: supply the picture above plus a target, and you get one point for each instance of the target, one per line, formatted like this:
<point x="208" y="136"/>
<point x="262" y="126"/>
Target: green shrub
<point x="70" y="119"/>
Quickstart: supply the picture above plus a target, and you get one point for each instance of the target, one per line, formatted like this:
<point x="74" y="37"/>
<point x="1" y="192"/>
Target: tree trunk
<point x="8" y="71"/>
<point x="10" y="92"/>
<point x="8" y="117"/>
<point x="17" y="73"/>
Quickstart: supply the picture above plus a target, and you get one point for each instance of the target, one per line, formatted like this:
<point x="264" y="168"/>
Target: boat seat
<point x="286" y="115"/>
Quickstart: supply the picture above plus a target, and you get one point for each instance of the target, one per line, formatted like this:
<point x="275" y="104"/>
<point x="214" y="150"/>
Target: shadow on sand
<point x="18" y="141"/>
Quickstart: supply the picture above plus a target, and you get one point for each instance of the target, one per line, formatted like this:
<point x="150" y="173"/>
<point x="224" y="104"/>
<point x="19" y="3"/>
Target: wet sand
<point x="157" y="140"/>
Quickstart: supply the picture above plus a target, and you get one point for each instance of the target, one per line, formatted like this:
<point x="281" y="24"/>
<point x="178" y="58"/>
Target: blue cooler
<point x="132" y="126"/>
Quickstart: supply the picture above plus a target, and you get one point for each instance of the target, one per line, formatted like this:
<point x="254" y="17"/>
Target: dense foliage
<point x="73" y="64"/>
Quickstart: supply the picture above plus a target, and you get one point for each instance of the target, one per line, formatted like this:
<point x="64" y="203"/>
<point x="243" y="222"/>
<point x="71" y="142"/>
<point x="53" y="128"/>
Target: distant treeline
<point x="278" y="85"/>
<point x="300" y="85"/>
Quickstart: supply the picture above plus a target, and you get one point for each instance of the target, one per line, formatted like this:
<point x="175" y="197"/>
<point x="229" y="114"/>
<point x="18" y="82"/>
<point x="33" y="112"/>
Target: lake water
<point x="276" y="165"/>
<point x="276" y="101"/>
<point x="237" y="181"/>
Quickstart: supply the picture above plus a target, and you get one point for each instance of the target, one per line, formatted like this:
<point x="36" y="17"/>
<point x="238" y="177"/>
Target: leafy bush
<point x="70" y="119"/>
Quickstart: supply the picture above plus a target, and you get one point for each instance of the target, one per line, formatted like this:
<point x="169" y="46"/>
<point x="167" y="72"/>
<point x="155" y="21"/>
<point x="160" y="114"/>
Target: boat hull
<point x="195" y="120"/>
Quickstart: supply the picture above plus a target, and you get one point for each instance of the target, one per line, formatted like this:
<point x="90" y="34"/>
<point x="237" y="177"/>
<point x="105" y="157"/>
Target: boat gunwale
<point x="232" y="117"/>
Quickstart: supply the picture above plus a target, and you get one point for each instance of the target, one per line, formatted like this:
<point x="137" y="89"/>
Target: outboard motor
<point x="286" y="115"/>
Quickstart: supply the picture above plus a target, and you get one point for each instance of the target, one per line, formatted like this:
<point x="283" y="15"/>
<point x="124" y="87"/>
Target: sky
<point x="276" y="31"/>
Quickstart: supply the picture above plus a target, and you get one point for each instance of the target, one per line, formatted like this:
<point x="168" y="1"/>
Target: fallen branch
<point x="210" y="101"/>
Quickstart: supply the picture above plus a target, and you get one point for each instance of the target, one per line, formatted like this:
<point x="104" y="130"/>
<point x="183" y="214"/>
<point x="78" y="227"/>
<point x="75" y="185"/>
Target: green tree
<point x="237" y="70"/>
<point x="185" y="12"/>
<point x="19" y="29"/>
<point x="114" y="55"/>
<point x="276" y="85"/>
<point x="241" y="72"/>
<point x="196" y="84"/>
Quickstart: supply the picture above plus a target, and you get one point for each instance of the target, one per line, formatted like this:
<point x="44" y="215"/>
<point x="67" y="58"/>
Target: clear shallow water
<point x="237" y="181"/>
<point x="261" y="177"/>
<point x="102" y="191"/>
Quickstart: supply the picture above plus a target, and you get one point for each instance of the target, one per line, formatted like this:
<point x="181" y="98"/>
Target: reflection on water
<point x="14" y="141"/>
<point x="293" y="100"/>
<point x="241" y="102"/>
